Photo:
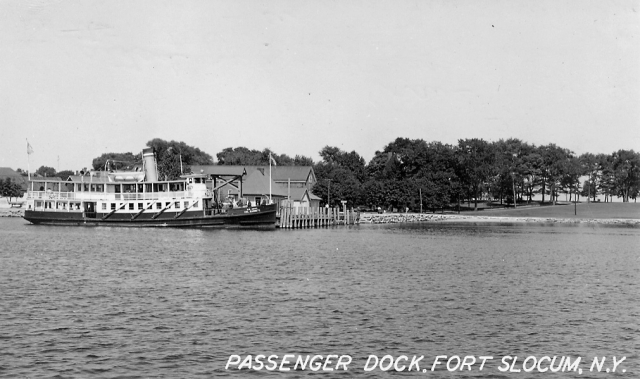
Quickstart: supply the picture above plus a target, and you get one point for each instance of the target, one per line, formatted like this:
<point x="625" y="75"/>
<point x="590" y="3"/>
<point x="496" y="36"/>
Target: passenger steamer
<point x="140" y="199"/>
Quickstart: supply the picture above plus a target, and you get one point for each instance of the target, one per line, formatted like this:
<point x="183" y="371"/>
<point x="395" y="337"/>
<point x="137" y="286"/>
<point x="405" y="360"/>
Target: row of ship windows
<point x="114" y="206"/>
<point x="141" y="206"/>
<point x="111" y="188"/>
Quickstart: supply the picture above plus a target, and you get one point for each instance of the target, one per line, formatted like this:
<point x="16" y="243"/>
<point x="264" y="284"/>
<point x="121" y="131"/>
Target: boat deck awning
<point x="131" y="176"/>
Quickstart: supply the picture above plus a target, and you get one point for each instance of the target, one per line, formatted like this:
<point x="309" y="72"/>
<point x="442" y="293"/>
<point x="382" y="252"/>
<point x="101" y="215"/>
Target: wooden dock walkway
<point x="301" y="217"/>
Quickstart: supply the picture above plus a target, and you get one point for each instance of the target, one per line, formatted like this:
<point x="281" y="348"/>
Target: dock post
<point x="283" y="218"/>
<point x="294" y="217"/>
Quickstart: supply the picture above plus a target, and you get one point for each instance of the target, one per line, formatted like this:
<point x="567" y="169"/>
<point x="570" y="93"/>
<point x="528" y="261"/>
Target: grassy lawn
<point x="584" y="210"/>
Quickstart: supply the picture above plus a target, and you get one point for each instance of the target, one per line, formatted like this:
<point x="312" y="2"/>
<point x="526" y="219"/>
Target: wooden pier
<point x="301" y="217"/>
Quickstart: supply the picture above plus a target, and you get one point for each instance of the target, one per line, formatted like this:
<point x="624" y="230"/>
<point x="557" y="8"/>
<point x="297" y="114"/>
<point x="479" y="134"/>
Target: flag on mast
<point x="29" y="152"/>
<point x="271" y="160"/>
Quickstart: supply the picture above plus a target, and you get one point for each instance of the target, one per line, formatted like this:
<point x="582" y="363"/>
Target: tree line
<point x="10" y="189"/>
<point x="410" y="173"/>
<point x="413" y="172"/>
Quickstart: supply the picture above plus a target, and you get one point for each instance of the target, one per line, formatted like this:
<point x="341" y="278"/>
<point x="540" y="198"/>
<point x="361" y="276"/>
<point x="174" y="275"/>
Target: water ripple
<point x="108" y="302"/>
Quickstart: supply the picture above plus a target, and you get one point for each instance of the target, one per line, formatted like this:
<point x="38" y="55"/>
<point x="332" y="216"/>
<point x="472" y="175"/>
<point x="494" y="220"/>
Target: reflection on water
<point x="103" y="302"/>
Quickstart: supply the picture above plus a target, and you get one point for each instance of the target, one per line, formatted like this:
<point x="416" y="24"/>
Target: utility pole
<point x="513" y="181"/>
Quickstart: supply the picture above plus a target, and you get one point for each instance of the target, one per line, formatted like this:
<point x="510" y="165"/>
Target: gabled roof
<point x="295" y="173"/>
<point x="297" y="194"/>
<point x="7" y="172"/>
<point x="312" y="196"/>
<point x="258" y="184"/>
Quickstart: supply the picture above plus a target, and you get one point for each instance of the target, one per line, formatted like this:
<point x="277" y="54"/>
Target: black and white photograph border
<point x="438" y="189"/>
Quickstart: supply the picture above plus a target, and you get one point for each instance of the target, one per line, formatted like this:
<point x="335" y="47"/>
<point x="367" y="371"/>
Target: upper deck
<point x="111" y="187"/>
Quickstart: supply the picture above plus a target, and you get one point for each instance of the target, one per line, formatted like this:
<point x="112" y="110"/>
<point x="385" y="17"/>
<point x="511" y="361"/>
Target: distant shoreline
<point x="594" y="213"/>
<point x="394" y="218"/>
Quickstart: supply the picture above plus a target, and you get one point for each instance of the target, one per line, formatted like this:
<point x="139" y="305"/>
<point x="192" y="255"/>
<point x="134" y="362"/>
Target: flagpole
<point x="270" y="197"/>
<point x="28" y="161"/>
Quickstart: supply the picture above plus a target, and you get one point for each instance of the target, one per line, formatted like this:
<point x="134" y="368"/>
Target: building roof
<point x="7" y="172"/>
<point x="258" y="184"/>
<point x="88" y="179"/>
<point x="46" y="179"/>
<point x="313" y="196"/>
<point x="295" y="173"/>
<point x="297" y="194"/>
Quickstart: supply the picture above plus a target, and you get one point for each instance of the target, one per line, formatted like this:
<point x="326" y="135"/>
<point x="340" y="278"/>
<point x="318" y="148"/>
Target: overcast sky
<point x="82" y="78"/>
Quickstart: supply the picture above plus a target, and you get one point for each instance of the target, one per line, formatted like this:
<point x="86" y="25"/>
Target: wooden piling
<point x="305" y="217"/>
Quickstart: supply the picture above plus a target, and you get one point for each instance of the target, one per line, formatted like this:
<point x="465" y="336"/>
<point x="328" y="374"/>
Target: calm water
<point x="106" y="303"/>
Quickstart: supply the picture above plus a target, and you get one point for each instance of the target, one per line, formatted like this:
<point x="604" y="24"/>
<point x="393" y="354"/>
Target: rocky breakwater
<point x="11" y="212"/>
<point x="393" y="218"/>
<point x="6" y="210"/>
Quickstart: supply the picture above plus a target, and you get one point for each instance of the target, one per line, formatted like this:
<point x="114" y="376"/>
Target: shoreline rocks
<point x="394" y="218"/>
<point x="11" y="212"/>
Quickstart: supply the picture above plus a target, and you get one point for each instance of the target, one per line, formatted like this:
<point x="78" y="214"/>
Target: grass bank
<point x="583" y="210"/>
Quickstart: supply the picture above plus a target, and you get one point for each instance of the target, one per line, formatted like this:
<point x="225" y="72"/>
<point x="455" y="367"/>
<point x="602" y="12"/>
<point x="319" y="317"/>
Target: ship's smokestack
<point x="149" y="164"/>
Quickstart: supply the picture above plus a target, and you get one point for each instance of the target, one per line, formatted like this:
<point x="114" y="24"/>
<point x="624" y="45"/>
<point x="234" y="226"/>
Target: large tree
<point x="553" y="168"/>
<point x="250" y="157"/>
<point x="410" y="173"/>
<point x="116" y="161"/>
<point x="175" y="158"/>
<point x="190" y="155"/>
<point x="477" y="165"/>
<point x="590" y="167"/>
<point x="625" y="166"/>
<point x="240" y="156"/>
<point x="64" y="174"/>
<point x="341" y="174"/>
<point x="10" y="189"/>
<point x="572" y="172"/>
<point x="511" y="169"/>
<point x="532" y="163"/>
<point x="46" y="171"/>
